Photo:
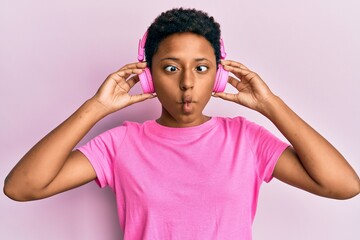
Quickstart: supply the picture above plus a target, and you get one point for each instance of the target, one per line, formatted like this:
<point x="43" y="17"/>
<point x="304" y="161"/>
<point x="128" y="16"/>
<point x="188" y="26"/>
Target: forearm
<point x="44" y="161"/>
<point x="323" y="163"/>
<point x="52" y="166"/>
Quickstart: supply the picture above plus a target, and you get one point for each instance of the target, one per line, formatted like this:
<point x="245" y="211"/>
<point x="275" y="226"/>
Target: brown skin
<point x="184" y="76"/>
<point x="51" y="166"/>
<point x="312" y="164"/>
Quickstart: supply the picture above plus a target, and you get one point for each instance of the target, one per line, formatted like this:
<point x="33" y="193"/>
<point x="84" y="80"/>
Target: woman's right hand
<point x="114" y="95"/>
<point x="51" y="166"/>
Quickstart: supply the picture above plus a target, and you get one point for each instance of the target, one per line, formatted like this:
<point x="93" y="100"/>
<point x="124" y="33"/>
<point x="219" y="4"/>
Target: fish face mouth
<point x="186" y="100"/>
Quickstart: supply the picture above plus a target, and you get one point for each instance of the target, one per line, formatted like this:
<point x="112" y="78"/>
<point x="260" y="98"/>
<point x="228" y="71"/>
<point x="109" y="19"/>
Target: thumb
<point x="226" y="96"/>
<point x="141" y="97"/>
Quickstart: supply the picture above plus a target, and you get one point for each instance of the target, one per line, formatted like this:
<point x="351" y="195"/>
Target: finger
<point x="226" y="96"/>
<point x="234" y="82"/>
<point x="127" y="72"/>
<point x="233" y="64"/>
<point x="236" y="69"/>
<point x="135" y="65"/>
<point x="133" y="80"/>
<point x="141" y="97"/>
<point x="241" y="73"/>
<point x="121" y="76"/>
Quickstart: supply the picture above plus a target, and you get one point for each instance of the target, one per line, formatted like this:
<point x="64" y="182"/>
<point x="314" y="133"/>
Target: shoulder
<point x="240" y="127"/>
<point x="236" y="122"/>
<point x="126" y="126"/>
<point x="117" y="133"/>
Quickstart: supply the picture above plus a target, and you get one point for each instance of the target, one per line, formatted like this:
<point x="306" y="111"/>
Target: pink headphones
<point x="147" y="82"/>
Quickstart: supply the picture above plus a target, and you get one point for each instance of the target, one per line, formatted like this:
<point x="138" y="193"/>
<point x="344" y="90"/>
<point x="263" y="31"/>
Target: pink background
<point x="55" y="54"/>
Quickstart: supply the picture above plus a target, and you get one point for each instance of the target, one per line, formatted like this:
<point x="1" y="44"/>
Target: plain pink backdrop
<point x="55" y="54"/>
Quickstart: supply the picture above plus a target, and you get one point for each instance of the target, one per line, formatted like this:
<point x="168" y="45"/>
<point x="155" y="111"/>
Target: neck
<point x="182" y="121"/>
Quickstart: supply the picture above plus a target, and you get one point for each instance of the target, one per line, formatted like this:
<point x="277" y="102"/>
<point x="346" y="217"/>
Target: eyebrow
<point x="177" y="59"/>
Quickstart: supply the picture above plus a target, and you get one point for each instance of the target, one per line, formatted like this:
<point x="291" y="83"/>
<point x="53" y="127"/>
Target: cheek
<point x="163" y="83"/>
<point x="208" y="83"/>
<point x="165" y="87"/>
<point x="165" y="91"/>
<point x="155" y="79"/>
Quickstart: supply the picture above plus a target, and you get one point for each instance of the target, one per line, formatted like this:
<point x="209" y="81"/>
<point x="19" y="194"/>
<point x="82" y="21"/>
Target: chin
<point x="190" y="119"/>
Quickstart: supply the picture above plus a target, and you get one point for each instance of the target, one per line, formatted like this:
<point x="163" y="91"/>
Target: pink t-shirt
<point x="185" y="183"/>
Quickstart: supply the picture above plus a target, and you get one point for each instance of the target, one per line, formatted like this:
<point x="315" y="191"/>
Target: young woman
<point x="185" y="175"/>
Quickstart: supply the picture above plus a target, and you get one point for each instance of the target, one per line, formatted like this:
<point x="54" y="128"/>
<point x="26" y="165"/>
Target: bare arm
<point x="52" y="166"/>
<point x="313" y="164"/>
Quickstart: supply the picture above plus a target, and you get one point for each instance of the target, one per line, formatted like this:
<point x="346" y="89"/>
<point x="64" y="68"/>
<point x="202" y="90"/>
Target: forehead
<point x="184" y="45"/>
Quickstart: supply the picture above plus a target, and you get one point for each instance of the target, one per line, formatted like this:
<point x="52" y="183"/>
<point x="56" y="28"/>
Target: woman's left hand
<point x="312" y="164"/>
<point x="253" y="91"/>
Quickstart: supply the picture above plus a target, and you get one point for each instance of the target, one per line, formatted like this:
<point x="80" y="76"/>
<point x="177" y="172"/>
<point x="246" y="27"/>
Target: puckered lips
<point x="187" y="104"/>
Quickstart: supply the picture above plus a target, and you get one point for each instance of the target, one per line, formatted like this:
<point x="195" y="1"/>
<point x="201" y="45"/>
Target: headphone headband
<point x="141" y="48"/>
<point x="142" y="41"/>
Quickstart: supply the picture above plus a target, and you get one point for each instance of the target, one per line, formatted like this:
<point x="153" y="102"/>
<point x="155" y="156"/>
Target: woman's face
<point x="183" y="71"/>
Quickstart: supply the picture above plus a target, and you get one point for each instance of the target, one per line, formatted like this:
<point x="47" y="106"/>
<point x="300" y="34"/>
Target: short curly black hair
<point x="180" y="20"/>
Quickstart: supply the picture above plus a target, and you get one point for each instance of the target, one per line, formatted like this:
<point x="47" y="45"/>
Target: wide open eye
<point x="170" y="68"/>
<point x="202" y="68"/>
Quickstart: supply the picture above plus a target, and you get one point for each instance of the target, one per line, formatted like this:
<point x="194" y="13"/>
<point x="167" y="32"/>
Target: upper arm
<point x="290" y="170"/>
<point x="77" y="170"/>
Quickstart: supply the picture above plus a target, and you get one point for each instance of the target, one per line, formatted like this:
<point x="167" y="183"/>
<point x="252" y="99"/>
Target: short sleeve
<point x="101" y="152"/>
<point x="267" y="149"/>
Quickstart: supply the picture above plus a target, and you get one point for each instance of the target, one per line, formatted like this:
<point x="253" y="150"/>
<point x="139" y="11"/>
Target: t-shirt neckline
<point x="173" y="132"/>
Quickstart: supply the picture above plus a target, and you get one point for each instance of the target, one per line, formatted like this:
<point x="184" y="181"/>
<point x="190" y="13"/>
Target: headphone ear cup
<point x="146" y="81"/>
<point x="221" y="80"/>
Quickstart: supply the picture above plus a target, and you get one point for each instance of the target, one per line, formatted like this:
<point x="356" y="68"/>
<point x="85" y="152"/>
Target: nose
<point x="187" y="80"/>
